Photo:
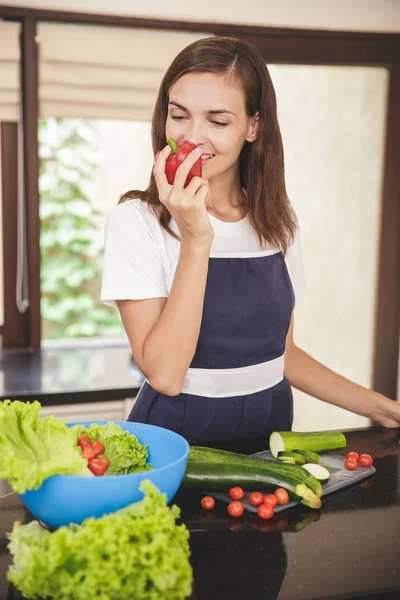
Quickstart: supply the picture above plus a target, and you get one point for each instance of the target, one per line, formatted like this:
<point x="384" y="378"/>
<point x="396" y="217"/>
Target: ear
<point x="254" y="128"/>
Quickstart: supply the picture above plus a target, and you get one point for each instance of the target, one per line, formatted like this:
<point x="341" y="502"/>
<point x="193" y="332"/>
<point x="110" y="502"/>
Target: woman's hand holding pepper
<point x="187" y="206"/>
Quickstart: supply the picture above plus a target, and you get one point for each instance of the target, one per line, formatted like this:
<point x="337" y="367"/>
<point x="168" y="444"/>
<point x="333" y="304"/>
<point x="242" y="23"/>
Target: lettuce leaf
<point x="33" y="448"/>
<point x="126" y="453"/>
<point x="138" y="553"/>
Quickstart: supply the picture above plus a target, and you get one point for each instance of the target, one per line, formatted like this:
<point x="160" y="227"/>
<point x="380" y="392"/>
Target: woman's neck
<point x="227" y="200"/>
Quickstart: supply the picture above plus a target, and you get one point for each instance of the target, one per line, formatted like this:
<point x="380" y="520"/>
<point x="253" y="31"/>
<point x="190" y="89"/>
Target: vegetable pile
<point x="218" y="470"/>
<point x="293" y="474"/>
<point x="119" y="451"/>
<point x="137" y="552"/>
<point x="34" y="448"/>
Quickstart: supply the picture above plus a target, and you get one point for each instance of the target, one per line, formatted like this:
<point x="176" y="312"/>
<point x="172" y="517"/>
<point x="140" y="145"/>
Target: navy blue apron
<point x="247" y="309"/>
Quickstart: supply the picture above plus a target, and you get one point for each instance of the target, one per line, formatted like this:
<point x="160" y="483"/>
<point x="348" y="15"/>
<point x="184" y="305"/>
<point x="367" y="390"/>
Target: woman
<point x="206" y="276"/>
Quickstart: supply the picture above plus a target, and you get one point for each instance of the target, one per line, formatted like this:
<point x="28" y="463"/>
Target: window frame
<point x="278" y="45"/>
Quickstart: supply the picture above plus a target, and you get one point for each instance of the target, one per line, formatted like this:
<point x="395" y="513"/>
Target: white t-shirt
<point x="140" y="257"/>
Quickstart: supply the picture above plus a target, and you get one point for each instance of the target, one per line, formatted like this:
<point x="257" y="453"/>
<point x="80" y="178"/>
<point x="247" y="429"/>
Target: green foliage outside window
<point x="71" y="236"/>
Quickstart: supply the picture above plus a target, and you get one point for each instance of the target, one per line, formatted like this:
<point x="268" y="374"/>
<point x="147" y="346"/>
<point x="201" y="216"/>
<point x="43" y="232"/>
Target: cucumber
<point x="316" y="441"/>
<point x="291" y="457"/>
<point x="318" y="471"/>
<point x="310" y="457"/>
<point x="219" y="478"/>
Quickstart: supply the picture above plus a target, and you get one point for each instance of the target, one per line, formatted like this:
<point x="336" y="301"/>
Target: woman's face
<point x="209" y="111"/>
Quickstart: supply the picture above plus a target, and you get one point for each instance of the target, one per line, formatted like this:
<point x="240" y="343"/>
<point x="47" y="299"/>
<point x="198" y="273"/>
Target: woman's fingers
<point x="197" y="188"/>
<point x="183" y="170"/>
<point x="164" y="188"/>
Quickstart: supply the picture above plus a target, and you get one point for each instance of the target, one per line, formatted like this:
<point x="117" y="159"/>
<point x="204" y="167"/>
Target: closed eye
<point x="215" y="123"/>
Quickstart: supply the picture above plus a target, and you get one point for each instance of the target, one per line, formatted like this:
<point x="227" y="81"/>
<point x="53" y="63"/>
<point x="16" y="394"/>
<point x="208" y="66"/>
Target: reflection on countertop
<point x="70" y="374"/>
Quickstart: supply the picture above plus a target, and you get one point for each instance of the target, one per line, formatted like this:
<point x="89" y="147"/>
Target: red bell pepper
<point x="176" y="158"/>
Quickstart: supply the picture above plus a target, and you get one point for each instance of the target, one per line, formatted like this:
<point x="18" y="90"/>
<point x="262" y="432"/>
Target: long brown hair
<point x="261" y="162"/>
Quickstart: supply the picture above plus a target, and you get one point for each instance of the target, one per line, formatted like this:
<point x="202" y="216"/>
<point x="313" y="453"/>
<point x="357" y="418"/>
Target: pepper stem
<point x="173" y="145"/>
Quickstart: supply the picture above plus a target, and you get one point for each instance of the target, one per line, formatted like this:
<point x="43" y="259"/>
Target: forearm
<point x="313" y="378"/>
<point x="170" y="346"/>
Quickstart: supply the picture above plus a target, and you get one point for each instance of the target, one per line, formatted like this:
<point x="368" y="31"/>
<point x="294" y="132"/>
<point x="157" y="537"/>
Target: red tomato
<point x="353" y="455"/>
<point x="208" y="502"/>
<point x="98" y="448"/>
<point x="351" y="464"/>
<point x="236" y="493"/>
<point x="270" y="499"/>
<point x="104" y="458"/>
<point x="282" y="496"/>
<point x="365" y="460"/>
<point x="256" y="498"/>
<point x="235" y="509"/>
<point x="265" y="511"/>
<point x="88" y="453"/>
<point x="98" y="467"/>
<point x="83" y="440"/>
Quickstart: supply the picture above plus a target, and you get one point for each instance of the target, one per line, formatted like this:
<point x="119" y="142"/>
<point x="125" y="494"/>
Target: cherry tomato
<point x="282" y="496"/>
<point x="87" y="452"/>
<point x="365" y="460"/>
<point x="235" y="509"/>
<point x="351" y="464"/>
<point x="98" y="467"/>
<point x="265" y="511"/>
<point x="208" y="502"/>
<point x="256" y="498"/>
<point x="98" y="448"/>
<point x="270" y="499"/>
<point x="104" y="458"/>
<point x="353" y="455"/>
<point x="83" y="440"/>
<point x="236" y="493"/>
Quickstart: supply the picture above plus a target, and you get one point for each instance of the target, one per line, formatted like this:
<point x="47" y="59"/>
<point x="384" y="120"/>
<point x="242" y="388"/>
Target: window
<point x="97" y="89"/>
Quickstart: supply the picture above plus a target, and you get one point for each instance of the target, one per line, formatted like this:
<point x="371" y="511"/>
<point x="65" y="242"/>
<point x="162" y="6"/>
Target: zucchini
<point x="291" y="458"/>
<point x="318" y="471"/>
<point x="316" y="441"/>
<point x="310" y="457"/>
<point x="219" y="478"/>
<point x="218" y="470"/>
<point x="200" y="454"/>
<point x="287" y="460"/>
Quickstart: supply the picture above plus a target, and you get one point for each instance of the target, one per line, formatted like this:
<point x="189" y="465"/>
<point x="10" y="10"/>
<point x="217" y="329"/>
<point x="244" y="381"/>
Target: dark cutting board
<point x="340" y="478"/>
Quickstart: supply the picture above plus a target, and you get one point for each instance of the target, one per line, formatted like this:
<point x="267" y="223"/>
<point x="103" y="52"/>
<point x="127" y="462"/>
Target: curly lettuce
<point x="138" y="552"/>
<point x="33" y="448"/>
<point x="126" y="453"/>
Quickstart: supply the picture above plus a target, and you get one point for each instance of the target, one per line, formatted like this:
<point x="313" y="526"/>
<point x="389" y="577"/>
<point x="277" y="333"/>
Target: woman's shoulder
<point x="134" y="213"/>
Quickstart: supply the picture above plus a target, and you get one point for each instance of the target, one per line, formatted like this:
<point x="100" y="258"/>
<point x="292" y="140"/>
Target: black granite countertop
<point x="348" y="549"/>
<point x="70" y="374"/>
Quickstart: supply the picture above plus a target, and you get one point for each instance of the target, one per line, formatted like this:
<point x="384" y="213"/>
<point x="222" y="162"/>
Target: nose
<point x="196" y="132"/>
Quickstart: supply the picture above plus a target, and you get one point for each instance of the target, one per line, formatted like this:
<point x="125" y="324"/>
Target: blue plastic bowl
<point x="65" y="499"/>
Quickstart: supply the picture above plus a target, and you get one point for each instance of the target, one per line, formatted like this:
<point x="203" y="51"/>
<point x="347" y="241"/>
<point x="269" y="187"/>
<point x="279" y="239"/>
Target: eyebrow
<point x="219" y="111"/>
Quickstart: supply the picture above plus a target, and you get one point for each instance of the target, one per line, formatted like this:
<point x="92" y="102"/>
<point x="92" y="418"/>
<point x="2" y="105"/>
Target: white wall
<point x="356" y="15"/>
